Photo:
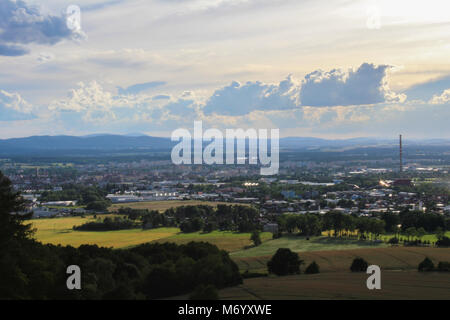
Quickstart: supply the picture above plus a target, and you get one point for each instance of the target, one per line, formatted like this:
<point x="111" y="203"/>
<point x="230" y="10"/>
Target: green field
<point x="428" y="237"/>
<point x="164" y="205"/>
<point x="226" y="240"/>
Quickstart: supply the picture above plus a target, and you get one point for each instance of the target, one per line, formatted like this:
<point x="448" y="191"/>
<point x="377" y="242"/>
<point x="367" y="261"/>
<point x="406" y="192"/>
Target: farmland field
<point x="343" y="285"/>
<point x="59" y="231"/>
<point x="392" y="258"/>
<point x="399" y="276"/>
<point x="164" y="205"/>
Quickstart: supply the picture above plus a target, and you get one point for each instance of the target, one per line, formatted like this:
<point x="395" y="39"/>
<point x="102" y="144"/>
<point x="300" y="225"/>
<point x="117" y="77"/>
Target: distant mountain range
<point x="91" y="142"/>
<point x="110" y="142"/>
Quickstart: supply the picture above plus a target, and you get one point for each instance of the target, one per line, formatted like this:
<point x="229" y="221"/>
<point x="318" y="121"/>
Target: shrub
<point x="312" y="268"/>
<point x="393" y="241"/>
<point x="444" y="266"/>
<point x="256" y="238"/>
<point x="443" y="242"/>
<point x="426" y="265"/>
<point x="277" y="235"/>
<point x="359" y="265"/>
<point x="284" y="262"/>
<point x="202" y="292"/>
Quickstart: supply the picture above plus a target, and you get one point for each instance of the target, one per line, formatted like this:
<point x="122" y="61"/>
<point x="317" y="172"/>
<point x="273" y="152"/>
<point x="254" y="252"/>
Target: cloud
<point x="12" y="50"/>
<point x="442" y="98"/>
<point x="101" y="5"/>
<point x="367" y="85"/>
<point x="91" y="108"/>
<point x="237" y="99"/>
<point x="425" y="91"/>
<point x="91" y="104"/>
<point x="137" y="88"/>
<point x="161" y="97"/>
<point x="22" y="24"/>
<point x="13" y="107"/>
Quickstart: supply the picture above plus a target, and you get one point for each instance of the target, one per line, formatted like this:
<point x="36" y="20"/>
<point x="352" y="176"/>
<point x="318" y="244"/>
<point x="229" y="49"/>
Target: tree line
<point x="90" y="196"/>
<point x="408" y="223"/>
<point x="199" y="218"/>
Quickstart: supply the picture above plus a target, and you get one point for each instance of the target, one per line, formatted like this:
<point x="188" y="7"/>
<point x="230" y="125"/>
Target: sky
<point x="311" y="68"/>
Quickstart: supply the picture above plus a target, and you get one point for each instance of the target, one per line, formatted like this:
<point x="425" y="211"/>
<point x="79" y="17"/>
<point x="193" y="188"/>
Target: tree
<point x="98" y="205"/>
<point x="11" y="221"/>
<point x="359" y="265"/>
<point x="444" y="266"/>
<point x="284" y="262"/>
<point x="421" y="232"/>
<point x="256" y="238"/>
<point x="392" y="221"/>
<point x="410" y="232"/>
<point x="440" y="233"/>
<point x="426" y="265"/>
<point x="13" y="235"/>
<point x="443" y="242"/>
<point x="312" y="268"/>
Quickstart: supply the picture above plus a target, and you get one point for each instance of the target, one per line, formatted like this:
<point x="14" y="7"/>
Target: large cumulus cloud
<point x="237" y="99"/>
<point x="366" y="85"/>
<point x="22" y="24"/>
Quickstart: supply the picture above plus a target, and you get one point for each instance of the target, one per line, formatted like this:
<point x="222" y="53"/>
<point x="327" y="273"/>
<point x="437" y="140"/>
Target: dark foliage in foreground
<point x="31" y="270"/>
<point x="203" y="292"/>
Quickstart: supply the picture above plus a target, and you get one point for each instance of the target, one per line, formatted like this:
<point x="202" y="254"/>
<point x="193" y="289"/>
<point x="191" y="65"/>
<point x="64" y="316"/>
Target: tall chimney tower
<point x="401" y="154"/>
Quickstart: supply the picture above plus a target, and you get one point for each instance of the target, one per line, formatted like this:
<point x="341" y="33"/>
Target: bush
<point x="443" y="242"/>
<point x="444" y="266"/>
<point x="426" y="265"/>
<point x="393" y="241"/>
<point x="256" y="238"/>
<point x="359" y="265"/>
<point x="98" y="205"/>
<point x="312" y="268"/>
<point x="284" y="262"/>
<point x="202" y="292"/>
<point x="277" y="235"/>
